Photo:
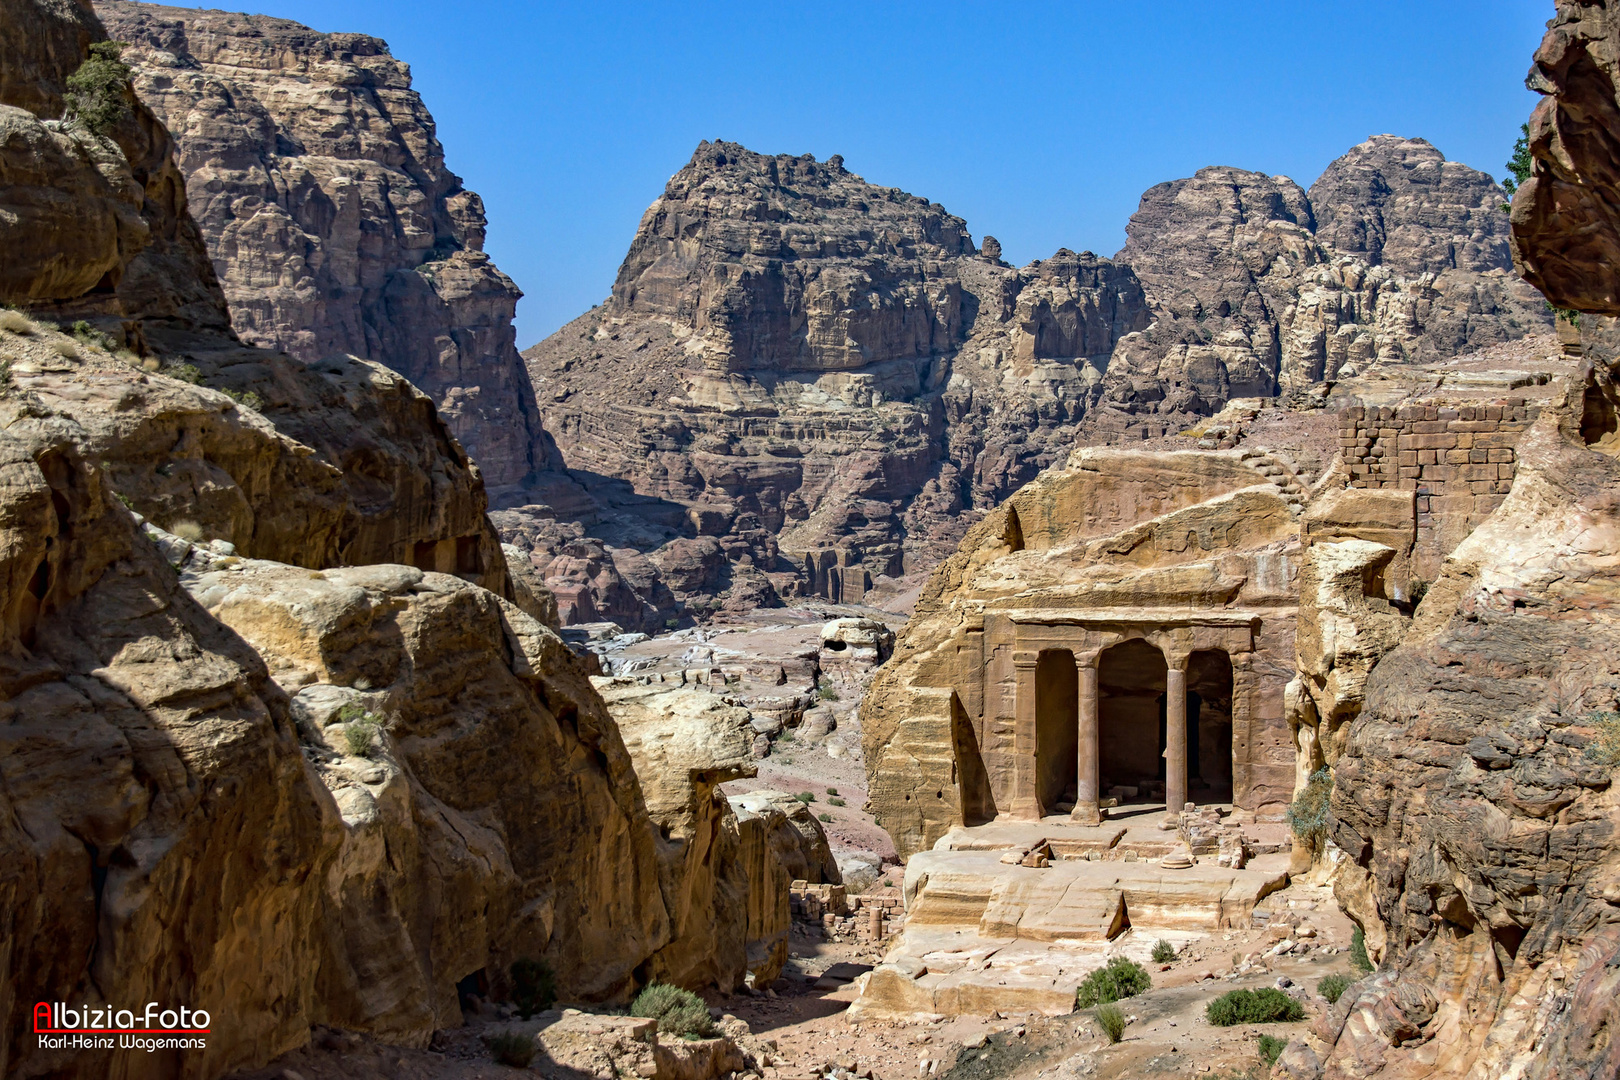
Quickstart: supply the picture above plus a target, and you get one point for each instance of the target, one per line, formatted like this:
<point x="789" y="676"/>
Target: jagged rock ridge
<point x="825" y="377"/>
<point x="314" y="172"/>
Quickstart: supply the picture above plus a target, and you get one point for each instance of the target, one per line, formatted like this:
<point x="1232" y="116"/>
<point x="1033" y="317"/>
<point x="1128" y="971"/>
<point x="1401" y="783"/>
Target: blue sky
<point x="1040" y="124"/>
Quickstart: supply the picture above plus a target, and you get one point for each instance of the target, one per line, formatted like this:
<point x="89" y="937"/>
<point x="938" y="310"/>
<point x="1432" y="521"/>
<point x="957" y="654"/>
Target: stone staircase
<point x="1280" y="472"/>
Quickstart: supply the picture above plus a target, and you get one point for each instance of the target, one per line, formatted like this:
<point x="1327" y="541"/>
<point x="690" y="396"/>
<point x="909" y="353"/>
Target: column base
<point x="1087" y="814"/>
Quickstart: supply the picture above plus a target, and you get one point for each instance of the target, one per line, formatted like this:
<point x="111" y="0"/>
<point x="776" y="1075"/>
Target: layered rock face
<point x="1566" y="234"/>
<point x="334" y="226"/>
<point x="823" y="375"/>
<point x="1476" y="807"/>
<point x="254" y="760"/>
<point x="1475" y="792"/>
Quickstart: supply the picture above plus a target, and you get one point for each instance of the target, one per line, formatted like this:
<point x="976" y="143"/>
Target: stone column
<point x="1175" y="737"/>
<point x="1025" y="805"/>
<point x="1086" y="806"/>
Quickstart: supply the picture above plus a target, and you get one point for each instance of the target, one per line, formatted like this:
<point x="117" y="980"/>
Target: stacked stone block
<point x="825" y="911"/>
<point x="1459" y="459"/>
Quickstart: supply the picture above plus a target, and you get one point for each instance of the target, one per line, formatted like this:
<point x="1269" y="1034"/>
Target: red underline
<point x="122" y="1031"/>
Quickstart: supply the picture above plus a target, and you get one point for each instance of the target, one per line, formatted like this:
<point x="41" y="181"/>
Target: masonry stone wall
<point x="1458" y="460"/>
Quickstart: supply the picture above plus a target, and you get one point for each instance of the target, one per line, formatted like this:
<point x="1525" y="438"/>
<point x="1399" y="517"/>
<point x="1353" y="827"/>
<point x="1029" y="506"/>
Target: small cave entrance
<point x="1209" y="726"/>
<point x="1057" y="731"/>
<point x="470" y="989"/>
<point x="1130" y="722"/>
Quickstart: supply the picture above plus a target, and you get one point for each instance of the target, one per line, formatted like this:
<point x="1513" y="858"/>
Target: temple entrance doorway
<point x="1209" y="726"/>
<point x="1057" y="731"/>
<point x="1130" y="722"/>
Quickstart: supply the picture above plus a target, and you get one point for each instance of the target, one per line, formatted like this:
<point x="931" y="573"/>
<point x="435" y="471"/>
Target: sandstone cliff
<point x="277" y="742"/>
<point x="1474" y="794"/>
<point x="827" y="379"/>
<point x="313" y="170"/>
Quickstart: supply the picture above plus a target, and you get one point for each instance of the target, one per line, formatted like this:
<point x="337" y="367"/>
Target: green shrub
<point x="1119" y="978"/>
<point x="98" y="92"/>
<point x="5" y="376"/>
<point x="1605" y="748"/>
<point x="1308" y="814"/>
<point x="1332" y="987"/>
<point x="1263" y="1006"/>
<point x="832" y="791"/>
<point x="678" y="1012"/>
<point x="359" y="738"/>
<point x="806" y="797"/>
<point x="823" y="817"/>
<point x="247" y="398"/>
<point x="91" y="336"/>
<point x="835" y="801"/>
<point x="1163" y="952"/>
<point x="512" y="1049"/>
<point x="1112" y="1021"/>
<point x="534" y="987"/>
<point x="1271" y="1048"/>
<point x="826" y="692"/>
<point x="186" y="373"/>
<point x="1358" y="953"/>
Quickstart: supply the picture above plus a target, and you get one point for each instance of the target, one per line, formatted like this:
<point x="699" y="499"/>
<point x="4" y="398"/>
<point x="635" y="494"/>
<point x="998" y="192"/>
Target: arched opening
<point x="1057" y="730"/>
<point x="1209" y="726"/>
<point x="1130" y="722"/>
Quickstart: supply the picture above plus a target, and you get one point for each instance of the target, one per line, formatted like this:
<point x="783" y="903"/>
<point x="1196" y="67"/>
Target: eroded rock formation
<point x="825" y="377"/>
<point x="1475" y="792"/>
<point x="275" y="739"/>
<point x="1566" y="226"/>
<point x="1479" y="823"/>
<point x="314" y="172"/>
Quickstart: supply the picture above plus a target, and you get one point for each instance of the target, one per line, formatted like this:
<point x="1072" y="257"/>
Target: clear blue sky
<point x="1040" y="124"/>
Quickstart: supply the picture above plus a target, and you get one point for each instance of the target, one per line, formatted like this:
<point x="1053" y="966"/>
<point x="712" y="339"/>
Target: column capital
<point x="1177" y="662"/>
<point x="1088" y="659"/>
<point x="1025" y="658"/>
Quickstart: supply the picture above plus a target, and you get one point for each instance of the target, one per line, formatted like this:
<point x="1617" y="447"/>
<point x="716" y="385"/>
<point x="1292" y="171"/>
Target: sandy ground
<point x="1168" y="1035"/>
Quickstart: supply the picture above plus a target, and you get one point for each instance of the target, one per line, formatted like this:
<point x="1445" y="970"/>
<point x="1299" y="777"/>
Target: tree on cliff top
<point x="1519" y="163"/>
<point x="98" y="93"/>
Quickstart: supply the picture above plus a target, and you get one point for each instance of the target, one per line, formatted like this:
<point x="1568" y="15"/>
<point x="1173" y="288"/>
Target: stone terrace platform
<point x="985" y="933"/>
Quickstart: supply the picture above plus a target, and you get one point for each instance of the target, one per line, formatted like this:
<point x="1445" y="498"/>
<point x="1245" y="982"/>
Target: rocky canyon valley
<point x="840" y="653"/>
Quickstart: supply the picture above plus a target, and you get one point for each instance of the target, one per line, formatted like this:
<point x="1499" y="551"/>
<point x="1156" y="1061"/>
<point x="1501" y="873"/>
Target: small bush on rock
<point x="1332" y="987"/>
<point x="534" y="987"/>
<point x="512" y="1049"/>
<point x="359" y="738"/>
<point x="1112" y="1021"/>
<point x="1263" y="1006"/>
<point x="98" y="92"/>
<point x="1163" y="952"/>
<point x="806" y="797"/>
<point x="1271" y="1048"/>
<point x="678" y="1012"/>
<point x="1605" y="748"/>
<point x="15" y="322"/>
<point x="1308" y="814"/>
<point x="1119" y="978"/>
<point x="823" y="817"/>
<point x="1358" y="952"/>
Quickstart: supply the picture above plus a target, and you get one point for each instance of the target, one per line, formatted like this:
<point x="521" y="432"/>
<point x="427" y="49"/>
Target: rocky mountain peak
<point x="1399" y="203"/>
<point x="785" y="263"/>
<point x="332" y="221"/>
